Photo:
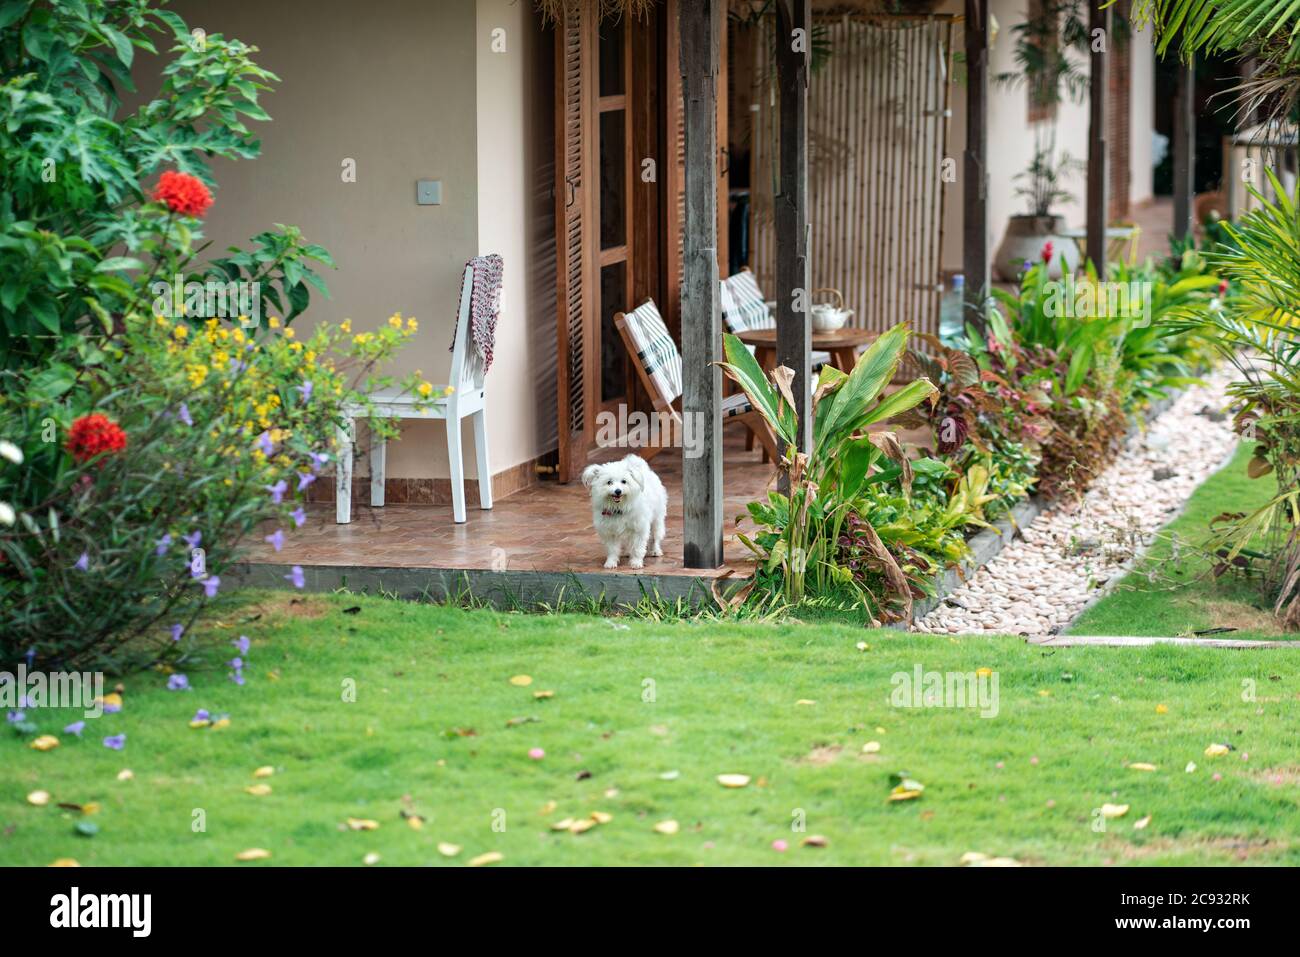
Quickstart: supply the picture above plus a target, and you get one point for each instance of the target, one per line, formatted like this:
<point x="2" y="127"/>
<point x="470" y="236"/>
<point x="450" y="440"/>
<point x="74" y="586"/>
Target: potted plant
<point x="1028" y="234"/>
<point x="1049" y="77"/>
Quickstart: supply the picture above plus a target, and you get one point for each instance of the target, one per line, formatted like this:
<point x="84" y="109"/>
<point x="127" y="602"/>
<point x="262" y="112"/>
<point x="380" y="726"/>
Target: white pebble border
<point x="1040" y="582"/>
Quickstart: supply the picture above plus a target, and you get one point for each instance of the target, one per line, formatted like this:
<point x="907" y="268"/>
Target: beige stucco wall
<point x="1142" y="115"/>
<point x="409" y="89"/>
<point x="1011" y="141"/>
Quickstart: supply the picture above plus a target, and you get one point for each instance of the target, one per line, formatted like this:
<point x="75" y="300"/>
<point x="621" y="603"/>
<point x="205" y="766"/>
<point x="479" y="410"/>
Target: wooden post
<point x="701" y="23"/>
<point x="975" y="176"/>
<point x="1184" y="149"/>
<point x="793" y="274"/>
<point x="1098" y="20"/>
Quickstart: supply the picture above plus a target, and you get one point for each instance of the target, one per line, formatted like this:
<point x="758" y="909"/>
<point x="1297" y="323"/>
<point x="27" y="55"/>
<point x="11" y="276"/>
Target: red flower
<point x="92" y="434"/>
<point x="1047" y="251"/>
<point x="183" y="193"/>
<point x="1223" y="287"/>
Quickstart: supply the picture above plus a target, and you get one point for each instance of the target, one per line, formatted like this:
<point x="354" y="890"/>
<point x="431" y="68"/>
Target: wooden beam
<point x="975" y="174"/>
<point x="701" y="38"/>
<point x="1184" y="149"/>
<point x="1098" y="110"/>
<point x="793" y="276"/>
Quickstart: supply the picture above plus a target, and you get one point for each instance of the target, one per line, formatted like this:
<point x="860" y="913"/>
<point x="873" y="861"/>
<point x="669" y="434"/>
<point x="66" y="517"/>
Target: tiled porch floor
<point x="544" y="528"/>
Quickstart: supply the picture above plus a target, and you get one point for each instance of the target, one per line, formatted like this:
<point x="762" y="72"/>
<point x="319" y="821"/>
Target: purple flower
<point x="25" y="702"/>
<point x="193" y="539"/>
<point x="75" y="728"/>
<point x="299" y="516"/>
<point x="201" y="715"/>
<point x="242" y="644"/>
<point x="319" y="460"/>
<point x="164" y="543"/>
<point x="178" y="683"/>
<point x="305" y="479"/>
<point x="264" y="444"/>
<point x="237" y="676"/>
<point x="277" y="491"/>
<point x="295" y="575"/>
<point x="185" y="414"/>
<point x="276" y="539"/>
<point x="177" y="630"/>
<point x="83" y="562"/>
<point x="210" y="586"/>
<point x="115" y="741"/>
<point x="111" y="708"/>
<point x="305" y="390"/>
<point x="13" y="717"/>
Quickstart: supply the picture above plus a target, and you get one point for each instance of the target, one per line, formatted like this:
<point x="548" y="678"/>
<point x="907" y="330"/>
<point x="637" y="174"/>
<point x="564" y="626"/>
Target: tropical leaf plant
<point x="799" y="526"/>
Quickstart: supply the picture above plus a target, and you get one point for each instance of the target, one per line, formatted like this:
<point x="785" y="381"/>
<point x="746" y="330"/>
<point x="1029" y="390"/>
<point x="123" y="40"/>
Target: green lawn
<point x="438" y="729"/>
<point x="1184" y="598"/>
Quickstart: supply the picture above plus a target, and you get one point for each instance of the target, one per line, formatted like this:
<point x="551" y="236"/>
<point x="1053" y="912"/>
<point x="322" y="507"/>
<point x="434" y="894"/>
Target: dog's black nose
<point x="618" y="493"/>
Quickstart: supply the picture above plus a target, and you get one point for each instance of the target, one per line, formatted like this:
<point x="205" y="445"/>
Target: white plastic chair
<point x="468" y="400"/>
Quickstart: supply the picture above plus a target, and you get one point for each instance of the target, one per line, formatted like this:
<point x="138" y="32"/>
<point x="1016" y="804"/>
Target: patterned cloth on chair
<point x="655" y="349"/>
<point x="484" y="307"/>
<point x="743" y="305"/>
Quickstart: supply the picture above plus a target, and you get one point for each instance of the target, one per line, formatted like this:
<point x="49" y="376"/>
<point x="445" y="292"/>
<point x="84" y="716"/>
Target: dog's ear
<point x="636" y="469"/>
<point x="590" y="474"/>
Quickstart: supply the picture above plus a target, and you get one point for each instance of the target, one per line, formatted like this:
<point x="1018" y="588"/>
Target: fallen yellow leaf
<point x="805" y="701"/>
<point x="983" y="672"/>
<point x="371" y="859"/>
<point x="543" y="694"/>
<point x="871" y="747"/>
<point x="491" y="857"/>
<point x="562" y="825"/>
<point x="1141" y="766"/>
<point x="601" y="817"/>
<point x="258" y="790"/>
<point x="978" y="859"/>
<point x="126" y="774"/>
<point x="1114" y="810"/>
<point x="220" y="724"/>
<point x="733" y="780"/>
<point x="1162" y="709"/>
<point x="521" y="681"/>
<point x="264" y="772"/>
<point x="814" y="840"/>
<point x="253" y="854"/>
<point x="582" y="826"/>
<point x="667" y="827"/>
<point x="1141" y="823"/>
<point x="45" y="742"/>
<point x="362" y="824"/>
<point x="448" y="850"/>
<point x="415" y="822"/>
<point x="65" y="862"/>
<point x="113" y="700"/>
<point x="39" y="798"/>
<point x="901" y="793"/>
<point x="1216" y="750"/>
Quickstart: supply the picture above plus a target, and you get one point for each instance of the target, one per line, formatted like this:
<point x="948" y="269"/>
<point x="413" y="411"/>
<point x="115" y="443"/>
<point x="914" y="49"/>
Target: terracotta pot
<point x="1025" y="238"/>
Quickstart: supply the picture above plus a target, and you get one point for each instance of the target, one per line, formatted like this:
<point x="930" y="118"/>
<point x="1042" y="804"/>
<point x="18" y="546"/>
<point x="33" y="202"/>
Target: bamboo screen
<point x="878" y="112"/>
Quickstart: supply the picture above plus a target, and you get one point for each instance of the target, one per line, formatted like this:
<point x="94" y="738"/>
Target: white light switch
<point x="428" y="192"/>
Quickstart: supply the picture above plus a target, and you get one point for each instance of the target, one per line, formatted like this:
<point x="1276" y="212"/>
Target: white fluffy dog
<point x="628" y="507"/>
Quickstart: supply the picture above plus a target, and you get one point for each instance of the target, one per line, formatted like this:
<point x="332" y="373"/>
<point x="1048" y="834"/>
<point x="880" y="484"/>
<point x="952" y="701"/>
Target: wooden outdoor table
<point x="841" y="344"/>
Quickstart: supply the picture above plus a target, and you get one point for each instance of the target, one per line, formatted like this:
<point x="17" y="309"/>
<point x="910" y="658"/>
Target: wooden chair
<point x="467" y="401"/>
<point x="659" y="367"/>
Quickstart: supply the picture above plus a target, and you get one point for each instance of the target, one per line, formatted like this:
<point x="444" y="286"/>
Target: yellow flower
<point x="424" y="389"/>
<point x="273" y="322"/>
<point x="288" y="333"/>
<point x="449" y="390"/>
<point x="181" y="330"/>
<point x="412" y="324"/>
<point x="346" y="325"/>
<point x="395" y="320"/>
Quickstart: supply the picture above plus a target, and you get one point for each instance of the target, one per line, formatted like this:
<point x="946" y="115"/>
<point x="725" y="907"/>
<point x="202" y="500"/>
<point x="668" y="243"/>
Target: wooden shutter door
<point x="576" y="238"/>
